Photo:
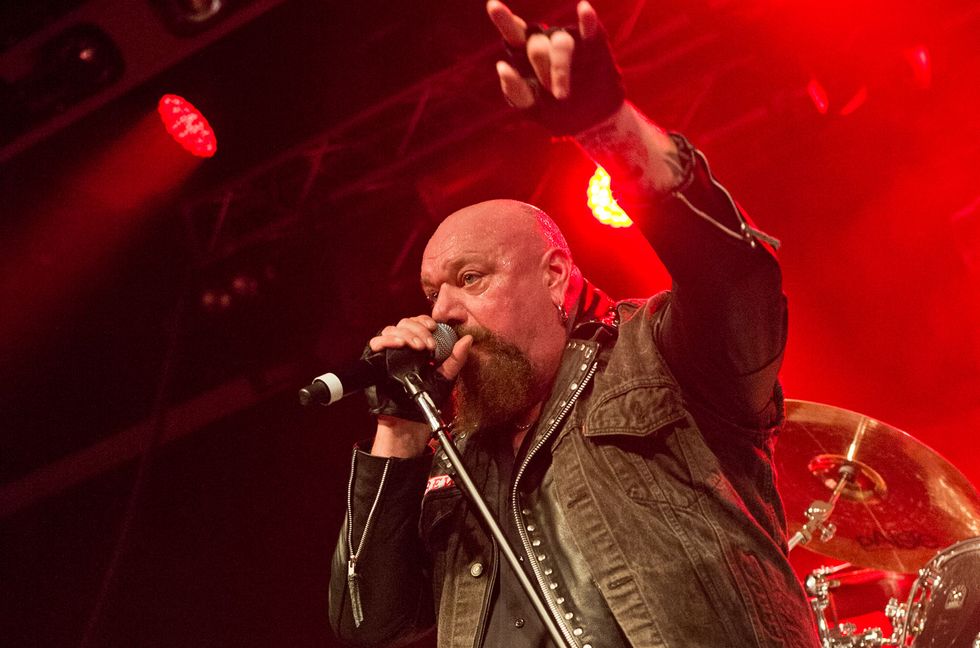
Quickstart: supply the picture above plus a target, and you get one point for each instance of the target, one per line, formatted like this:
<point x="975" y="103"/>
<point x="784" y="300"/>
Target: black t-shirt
<point x="512" y="623"/>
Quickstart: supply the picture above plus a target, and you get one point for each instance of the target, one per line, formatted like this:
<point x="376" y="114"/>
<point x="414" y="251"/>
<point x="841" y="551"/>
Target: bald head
<point x="517" y="225"/>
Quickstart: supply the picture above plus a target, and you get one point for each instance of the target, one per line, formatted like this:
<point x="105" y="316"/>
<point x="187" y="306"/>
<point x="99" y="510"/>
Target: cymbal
<point x="904" y="505"/>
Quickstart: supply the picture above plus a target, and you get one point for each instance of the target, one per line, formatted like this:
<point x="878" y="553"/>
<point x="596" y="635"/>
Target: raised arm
<point x="724" y="330"/>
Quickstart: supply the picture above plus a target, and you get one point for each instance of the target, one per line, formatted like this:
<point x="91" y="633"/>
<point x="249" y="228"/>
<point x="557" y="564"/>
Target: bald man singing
<point x="625" y="448"/>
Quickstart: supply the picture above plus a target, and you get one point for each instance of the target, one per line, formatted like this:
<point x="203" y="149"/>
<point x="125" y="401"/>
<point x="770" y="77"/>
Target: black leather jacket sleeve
<point x="392" y="568"/>
<point x="724" y="330"/>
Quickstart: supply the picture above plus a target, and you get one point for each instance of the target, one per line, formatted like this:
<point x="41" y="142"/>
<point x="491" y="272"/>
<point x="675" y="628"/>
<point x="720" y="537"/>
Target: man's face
<point x="484" y="271"/>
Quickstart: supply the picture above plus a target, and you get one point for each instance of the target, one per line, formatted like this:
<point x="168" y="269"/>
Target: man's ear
<point x="557" y="266"/>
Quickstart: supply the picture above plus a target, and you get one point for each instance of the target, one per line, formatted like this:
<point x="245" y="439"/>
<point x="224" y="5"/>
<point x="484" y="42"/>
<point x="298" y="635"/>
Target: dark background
<point x="159" y="483"/>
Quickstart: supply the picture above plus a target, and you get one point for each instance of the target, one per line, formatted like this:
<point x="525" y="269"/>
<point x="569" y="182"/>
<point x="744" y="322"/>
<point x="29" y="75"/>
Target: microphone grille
<point x="445" y="339"/>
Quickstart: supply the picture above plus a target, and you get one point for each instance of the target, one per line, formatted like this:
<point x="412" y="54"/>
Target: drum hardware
<point x="897" y="506"/>
<point x="943" y="608"/>
<point x="912" y="612"/>
<point x="896" y="613"/>
<point x="818" y="587"/>
<point x="819" y="512"/>
<point x="833" y="634"/>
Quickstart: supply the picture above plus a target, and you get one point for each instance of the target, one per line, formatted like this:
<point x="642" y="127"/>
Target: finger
<point x="416" y="330"/>
<point x="511" y="27"/>
<point x="454" y="363"/>
<point x="387" y="341"/>
<point x="388" y="330"/>
<point x="515" y="88"/>
<point x="394" y="340"/>
<point x="431" y="326"/>
<point x="539" y="54"/>
<point x="588" y="20"/>
<point x="427" y="321"/>
<point x="381" y="342"/>
<point x="562" y="47"/>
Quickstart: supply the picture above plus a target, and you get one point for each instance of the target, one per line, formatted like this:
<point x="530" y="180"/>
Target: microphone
<point x="365" y="372"/>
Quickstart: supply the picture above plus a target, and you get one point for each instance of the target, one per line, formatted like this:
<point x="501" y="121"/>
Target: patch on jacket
<point x="438" y="483"/>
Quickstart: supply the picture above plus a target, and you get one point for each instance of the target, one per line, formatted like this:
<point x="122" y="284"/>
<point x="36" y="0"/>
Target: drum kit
<point x="887" y="505"/>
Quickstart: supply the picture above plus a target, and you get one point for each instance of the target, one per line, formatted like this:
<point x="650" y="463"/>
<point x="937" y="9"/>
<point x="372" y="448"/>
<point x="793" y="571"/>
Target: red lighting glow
<point x="855" y="102"/>
<point x="602" y="203"/>
<point x="187" y="126"/>
<point x="818" y="95"/>
<point x="918" y="57"/>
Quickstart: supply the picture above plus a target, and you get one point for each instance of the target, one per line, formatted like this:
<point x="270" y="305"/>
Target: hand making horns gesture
<point x="550" y="55"/>
<point x="565" y="79"/>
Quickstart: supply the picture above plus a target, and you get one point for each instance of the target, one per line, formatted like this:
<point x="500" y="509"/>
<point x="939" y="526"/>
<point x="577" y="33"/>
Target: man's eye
<point x="469" y="278"/>
<point x="433" y="296"/>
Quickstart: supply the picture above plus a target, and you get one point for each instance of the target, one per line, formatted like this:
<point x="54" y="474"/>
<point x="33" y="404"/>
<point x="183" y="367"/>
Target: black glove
<point x="596" y="84"/>
<point x="390" y="398"/>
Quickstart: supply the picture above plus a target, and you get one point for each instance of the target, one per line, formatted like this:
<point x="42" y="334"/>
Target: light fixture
<point x="187" y="125"/>
<point x="600" y="199"/>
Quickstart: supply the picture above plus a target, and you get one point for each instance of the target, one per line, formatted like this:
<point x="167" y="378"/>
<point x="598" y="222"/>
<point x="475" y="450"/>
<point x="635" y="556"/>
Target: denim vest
<point x="674" y="513"/>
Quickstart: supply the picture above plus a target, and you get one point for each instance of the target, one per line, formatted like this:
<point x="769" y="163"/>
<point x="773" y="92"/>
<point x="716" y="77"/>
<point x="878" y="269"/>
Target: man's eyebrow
<point x="451" y="267"/>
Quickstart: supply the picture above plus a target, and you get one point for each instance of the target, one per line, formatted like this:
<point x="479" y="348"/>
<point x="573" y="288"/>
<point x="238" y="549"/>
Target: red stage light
<point x="602" y="203"/>
<point x="187" y="126"/>
<point x="818" y="95"/>
<point x="821" y="98"/>
<point x="918" y="57"/>
<point x="855" y="102"/>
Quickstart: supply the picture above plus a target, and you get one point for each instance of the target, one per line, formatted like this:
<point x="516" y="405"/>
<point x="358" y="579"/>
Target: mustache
<point x="479" y="333"/>
<point x="488" y="340"/>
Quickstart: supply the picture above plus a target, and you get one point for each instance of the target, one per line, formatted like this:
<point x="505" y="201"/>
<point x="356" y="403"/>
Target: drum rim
<point x="933" y="567"/>
<point x="946" y="554"/>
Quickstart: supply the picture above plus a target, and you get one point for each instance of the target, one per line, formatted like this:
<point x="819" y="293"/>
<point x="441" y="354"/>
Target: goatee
<point x="496" y="386"/>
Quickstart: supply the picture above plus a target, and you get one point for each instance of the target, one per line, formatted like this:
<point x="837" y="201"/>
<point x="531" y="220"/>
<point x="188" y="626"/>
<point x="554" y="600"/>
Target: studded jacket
<point x="646" y="501"/>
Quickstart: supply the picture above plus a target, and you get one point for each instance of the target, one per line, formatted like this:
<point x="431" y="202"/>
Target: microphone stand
<point x="433" y="417"/>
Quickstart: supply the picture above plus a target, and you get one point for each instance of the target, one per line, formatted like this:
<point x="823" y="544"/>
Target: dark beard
<point x="496" y="386"/>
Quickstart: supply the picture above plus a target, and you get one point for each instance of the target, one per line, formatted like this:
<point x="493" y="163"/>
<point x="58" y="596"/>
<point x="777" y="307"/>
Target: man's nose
<point x="448" y="308"/>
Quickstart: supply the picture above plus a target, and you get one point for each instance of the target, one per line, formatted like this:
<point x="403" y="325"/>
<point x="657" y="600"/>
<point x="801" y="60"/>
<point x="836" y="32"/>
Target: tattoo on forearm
<point x="630" y="144"/>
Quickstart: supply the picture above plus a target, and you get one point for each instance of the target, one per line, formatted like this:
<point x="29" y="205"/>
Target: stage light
<point x="602" y="203"/>
<point x="198" y="10"/>
<point x="187" y="126"/>
<point x="189" y="17"/>
<point x="818" y="95"/>
<point x="848" y="103"/>
<point x="75" y="64"/>
<point x="965" y="224"/>
<point x="855" y="102"/>
<point x="216" y="300"/>
<point x="921" y="64"/>
<point x="244" y="285"/>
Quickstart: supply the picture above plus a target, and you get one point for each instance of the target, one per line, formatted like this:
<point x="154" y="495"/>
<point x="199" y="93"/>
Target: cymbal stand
<point x="819" y="512"/>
